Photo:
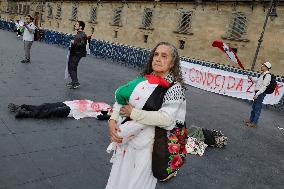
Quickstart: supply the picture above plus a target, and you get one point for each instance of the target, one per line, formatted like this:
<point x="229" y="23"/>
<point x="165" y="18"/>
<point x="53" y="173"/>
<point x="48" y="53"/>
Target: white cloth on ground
<point x="86" y="108"/>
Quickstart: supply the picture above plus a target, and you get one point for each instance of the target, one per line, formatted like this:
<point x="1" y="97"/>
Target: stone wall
<point x="209" y="22"/>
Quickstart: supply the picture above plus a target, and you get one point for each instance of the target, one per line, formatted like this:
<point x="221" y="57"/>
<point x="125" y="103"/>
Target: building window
<point x="9" y="7"/>
<point x="237" y="27"/>
<point x="147" y="18"/>
<point x="115" y="34"/>
<point x="145" y="38"/>
<point x="42" y="19"/>
<point x="24" y="9"/>
<point x="116" y="19"/>
<point x="74" y="13"/>
<point x="181" y="44"/>
<point x="93" y="15"/>
<point x="39" y="7"/>
<point x="20" y="9"/>
<point x="14" y="8"/>
<point x="92" y="30"/>
<point x="27" y="9"/>
<point x="49" y="11"/>
<point x="184" y="23"/>
<point x="58" y="10"/>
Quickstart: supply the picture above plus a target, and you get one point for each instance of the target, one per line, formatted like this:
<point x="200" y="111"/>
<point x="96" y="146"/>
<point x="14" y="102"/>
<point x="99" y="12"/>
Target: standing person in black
<point x="77" y="51"/>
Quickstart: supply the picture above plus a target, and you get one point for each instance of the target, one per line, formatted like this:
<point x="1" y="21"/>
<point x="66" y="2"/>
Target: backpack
<point x="272" y="85"/>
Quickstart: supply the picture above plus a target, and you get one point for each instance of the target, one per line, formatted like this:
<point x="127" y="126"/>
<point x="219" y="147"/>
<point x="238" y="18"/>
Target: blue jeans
<point x="256" y="108"/>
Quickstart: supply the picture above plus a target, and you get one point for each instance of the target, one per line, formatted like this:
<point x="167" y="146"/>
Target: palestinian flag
<point x="138" y="91"/>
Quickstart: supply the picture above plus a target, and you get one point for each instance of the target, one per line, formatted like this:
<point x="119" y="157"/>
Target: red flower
<point x="178" y="132"/>
<point x="174" y="148"/>
<point x="176" y="162"/>
<point x="180" y="138"/>
<point x="173" y="138"/>
<point x="185" y="131"/>
<point x="184" y="151"/>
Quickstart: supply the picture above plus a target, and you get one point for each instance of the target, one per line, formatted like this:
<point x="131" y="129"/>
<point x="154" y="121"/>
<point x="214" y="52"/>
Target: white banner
<point x="225" y="83"/>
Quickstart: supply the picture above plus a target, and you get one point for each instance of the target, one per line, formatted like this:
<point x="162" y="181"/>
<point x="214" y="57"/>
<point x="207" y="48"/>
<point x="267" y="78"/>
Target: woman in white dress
<point x="132" y="128"/>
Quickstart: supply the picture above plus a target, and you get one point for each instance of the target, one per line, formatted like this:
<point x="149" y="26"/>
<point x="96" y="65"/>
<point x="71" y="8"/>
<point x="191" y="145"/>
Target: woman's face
<point x="162" y="60"/>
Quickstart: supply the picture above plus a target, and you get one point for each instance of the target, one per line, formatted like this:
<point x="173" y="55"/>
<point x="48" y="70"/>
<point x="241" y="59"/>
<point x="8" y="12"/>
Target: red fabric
<point x="220" y="44"/>
<point x="157" y="80"/>
<point x="96" y="106"/>
<point x="82" y="105"/>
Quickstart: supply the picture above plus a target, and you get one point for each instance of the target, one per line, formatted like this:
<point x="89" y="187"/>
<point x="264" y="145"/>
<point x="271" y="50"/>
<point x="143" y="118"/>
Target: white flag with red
<point x="229" y="52"/>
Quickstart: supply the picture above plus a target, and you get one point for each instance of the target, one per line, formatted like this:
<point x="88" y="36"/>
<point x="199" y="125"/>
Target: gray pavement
<point x="70" y="154"/>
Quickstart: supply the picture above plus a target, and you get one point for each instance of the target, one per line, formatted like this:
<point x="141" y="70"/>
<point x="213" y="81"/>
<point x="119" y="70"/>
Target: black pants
<point x="72" y="67"/>
<point x="47" y="110"/>
<point x="19" y="32"/>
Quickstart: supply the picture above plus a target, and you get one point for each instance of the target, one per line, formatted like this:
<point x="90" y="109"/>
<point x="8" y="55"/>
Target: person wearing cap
<point x="262" y="83"/>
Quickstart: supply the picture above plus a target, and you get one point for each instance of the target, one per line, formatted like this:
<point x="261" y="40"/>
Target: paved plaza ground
<point x="71" y="154"/>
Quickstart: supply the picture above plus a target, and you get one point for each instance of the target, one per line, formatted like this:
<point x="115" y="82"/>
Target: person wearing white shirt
<point x="28" y="38"/>
<point x="262" y="83"/>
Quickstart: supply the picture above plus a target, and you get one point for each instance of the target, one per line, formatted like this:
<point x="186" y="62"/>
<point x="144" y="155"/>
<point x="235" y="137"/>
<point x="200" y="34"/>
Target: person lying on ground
<point x="75" y="108"/>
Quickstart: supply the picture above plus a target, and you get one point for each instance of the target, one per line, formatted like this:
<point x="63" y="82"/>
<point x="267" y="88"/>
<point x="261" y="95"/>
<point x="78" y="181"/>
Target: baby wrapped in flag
<point x="136" y="93"/>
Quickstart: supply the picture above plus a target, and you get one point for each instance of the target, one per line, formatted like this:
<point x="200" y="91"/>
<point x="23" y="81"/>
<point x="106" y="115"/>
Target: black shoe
<point x="23" y="113"/>
<point x="76" y="86"/>
<point x="103" y="117"/>
<point x="12" y="107"/>
<point x="26" y="61"/>
<point x="69" y="85"/>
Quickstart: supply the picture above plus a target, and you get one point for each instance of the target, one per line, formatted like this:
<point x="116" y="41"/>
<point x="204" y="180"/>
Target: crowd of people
<point x="148" y="118"/>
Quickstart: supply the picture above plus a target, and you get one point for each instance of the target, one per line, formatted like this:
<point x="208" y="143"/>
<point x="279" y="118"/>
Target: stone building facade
<point x="190" y="25"/>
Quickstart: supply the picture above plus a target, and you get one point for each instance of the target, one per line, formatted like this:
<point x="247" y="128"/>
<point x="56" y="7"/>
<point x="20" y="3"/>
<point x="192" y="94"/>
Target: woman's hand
<point x="126" y="110"/>
<point x="113" y="129"/>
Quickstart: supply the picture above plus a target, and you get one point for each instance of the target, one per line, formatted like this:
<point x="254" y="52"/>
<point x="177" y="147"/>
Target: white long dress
<point x="132" y="160"/>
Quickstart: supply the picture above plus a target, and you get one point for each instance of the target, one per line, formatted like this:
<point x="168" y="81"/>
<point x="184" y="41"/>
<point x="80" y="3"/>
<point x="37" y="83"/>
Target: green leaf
<point x="169" y="170"/>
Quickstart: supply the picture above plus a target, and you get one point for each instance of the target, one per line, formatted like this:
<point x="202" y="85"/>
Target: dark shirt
<point x="78" y="48"/>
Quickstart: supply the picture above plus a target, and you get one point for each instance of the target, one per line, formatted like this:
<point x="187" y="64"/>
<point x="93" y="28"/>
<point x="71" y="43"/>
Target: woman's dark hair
<point x="82" y="24"/>
<point x="175" y="70"/>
